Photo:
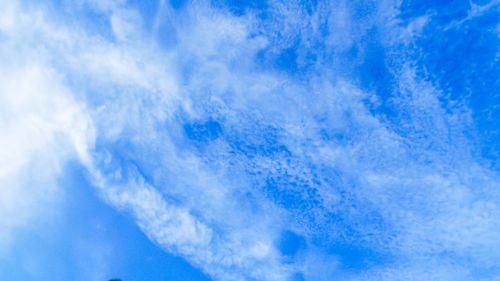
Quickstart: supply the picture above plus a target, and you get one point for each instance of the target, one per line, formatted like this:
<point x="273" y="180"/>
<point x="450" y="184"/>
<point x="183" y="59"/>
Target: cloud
<point x="42" y="128"/>
<point x="236" y="130"/>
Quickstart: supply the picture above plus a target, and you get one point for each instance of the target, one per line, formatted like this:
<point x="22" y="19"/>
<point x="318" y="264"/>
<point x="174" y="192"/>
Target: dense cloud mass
<point x="268" y="140"/>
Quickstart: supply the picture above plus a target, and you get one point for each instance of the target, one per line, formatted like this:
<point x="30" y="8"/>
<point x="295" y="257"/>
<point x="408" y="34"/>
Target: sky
<point x="249" y="140"/>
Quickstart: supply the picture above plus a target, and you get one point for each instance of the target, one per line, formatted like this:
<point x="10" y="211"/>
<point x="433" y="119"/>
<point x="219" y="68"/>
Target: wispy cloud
<point x="220" y="132"/>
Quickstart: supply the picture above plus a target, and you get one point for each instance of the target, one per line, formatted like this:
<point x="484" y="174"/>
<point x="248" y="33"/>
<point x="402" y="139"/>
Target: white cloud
<point x="64" y="89"/>
<point x="42" y="128"/>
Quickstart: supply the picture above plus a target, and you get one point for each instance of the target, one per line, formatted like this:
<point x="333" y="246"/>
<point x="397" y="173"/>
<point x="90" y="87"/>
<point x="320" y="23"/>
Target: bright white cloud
<point x="42" y="128"/>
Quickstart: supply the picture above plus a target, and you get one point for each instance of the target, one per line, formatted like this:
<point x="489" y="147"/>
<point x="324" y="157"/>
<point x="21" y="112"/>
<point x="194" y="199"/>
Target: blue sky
<point x="249" y="140"/>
